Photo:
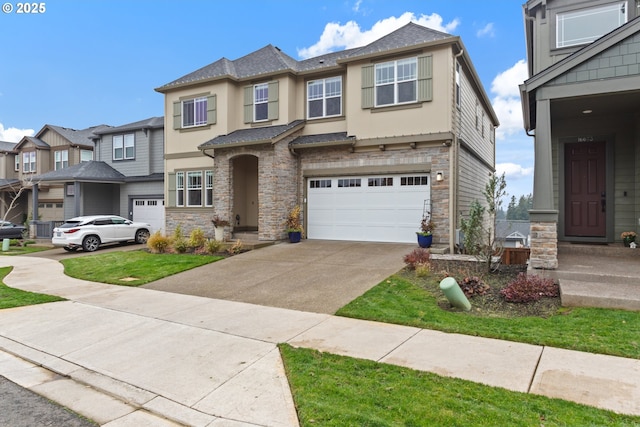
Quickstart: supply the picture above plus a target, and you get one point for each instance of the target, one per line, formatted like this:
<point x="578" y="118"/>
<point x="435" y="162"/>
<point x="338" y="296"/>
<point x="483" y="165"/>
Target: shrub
<point x="529" y="288"/>
<point x="423" y="270"/>
<point x="180" y="245"/>
<point x="236" y="248"/>
<point x="472" y="286"/>
<point x="197" y="238"/>
<point x="158" y="243"/>
<point x="212" y="246"/>
<point x="417" y="257"/>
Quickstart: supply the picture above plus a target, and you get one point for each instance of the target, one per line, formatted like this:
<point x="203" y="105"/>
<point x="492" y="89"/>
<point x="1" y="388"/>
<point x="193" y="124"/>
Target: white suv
<point x="89" y="232"/>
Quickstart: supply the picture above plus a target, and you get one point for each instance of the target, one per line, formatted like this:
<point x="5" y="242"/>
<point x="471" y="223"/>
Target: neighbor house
<point x="582" y="106"/>
<point x="365" y="140"/>
<point x="13" y="202"/>
<point x="123" y="176"/>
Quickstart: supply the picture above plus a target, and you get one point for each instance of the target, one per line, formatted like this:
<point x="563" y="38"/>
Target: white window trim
<point x="208" y="185"/>
<point x="180" y="187"/>
<point x="324" y="97"/>
<point x="564" y="17"/>
<point x="123" y="142"/>
<point x="194" y="102"/>
<point x="61" y="159"/>
<point x="264" y="100"/>
<point x="189" y="189"/>
<point x="29" y="162"/>
<point x="395" y="82"/>
<point x="17" y="163"/>
<point x="83" y="154"/>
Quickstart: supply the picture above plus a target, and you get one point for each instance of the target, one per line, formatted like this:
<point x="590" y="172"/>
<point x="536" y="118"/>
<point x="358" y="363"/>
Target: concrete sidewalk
<point x="129" y="356"/>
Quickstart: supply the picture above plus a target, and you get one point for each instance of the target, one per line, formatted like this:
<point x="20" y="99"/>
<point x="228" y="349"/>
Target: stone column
<point x="543" y="216"/>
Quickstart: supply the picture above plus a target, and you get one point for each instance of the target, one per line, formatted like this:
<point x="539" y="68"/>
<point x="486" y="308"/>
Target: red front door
<point x="585" y="203"/>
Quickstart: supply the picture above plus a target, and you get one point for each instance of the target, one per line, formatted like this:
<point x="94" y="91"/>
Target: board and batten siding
<point x="156" y="151"/>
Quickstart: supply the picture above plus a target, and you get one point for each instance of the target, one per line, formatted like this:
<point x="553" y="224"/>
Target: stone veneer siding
<point x="188" y="220"/>
<point x="544" y="245"/>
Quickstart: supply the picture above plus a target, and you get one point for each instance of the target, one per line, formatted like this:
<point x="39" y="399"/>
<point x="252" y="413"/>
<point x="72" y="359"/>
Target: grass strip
<point x="331" y="390"/>
<point x="11" y="297"/>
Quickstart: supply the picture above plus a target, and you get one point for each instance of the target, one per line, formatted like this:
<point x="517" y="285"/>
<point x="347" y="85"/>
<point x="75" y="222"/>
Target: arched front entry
<point x="245" y="193"/>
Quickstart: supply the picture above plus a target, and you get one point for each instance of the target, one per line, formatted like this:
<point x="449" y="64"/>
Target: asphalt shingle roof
<point x="270" y="59"/>
<point x="323" y="138"/>
<point x="86" y="171"/>
<point x="150" y="123"/>
<point x="79" y="137"/>
<point x="265" y="134"/>
<point x="7" y="146"/>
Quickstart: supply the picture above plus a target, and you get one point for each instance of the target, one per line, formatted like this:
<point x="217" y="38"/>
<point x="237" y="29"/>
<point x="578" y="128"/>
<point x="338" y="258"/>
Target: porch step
<point x="609" y="249"/>
<point x="250" y="240"/>
<point x="579" y="293"/>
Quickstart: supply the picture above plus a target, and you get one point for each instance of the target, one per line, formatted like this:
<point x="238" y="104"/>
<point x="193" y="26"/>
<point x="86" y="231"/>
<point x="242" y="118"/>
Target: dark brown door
<point x="585" y="197"/>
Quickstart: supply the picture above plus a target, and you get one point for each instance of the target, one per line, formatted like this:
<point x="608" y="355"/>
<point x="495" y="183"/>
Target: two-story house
<point x="13" y="202"/>
<point x="582" y="106"/>
<point x="366" y="140"/>
<point x="125" y="176"/>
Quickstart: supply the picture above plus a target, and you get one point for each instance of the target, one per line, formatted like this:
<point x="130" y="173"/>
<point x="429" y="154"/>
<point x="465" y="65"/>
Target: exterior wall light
<point x="439" y="176"/>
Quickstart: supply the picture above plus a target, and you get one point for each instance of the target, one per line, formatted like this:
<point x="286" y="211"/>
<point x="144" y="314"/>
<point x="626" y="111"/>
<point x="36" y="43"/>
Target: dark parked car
<point x="9" y="230"/>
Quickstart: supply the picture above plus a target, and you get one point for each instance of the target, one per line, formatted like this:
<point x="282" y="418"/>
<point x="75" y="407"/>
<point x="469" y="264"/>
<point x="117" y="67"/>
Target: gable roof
<point x="150" y="123"/>
<point x="82" y="137"/>
<point x="7" y="146"/>
<point x="270" y="59"/>
<point x="528" y="88"/>
<point x="260" y="135"/>
<point x="93" y="171"/>
<point x="512" y="229"/>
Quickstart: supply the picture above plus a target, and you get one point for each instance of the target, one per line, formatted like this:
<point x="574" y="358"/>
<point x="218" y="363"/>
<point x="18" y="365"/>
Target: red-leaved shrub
<point x="417" y="257"/>
<point x="472" y="286"/>
<point x="529" y="288"/>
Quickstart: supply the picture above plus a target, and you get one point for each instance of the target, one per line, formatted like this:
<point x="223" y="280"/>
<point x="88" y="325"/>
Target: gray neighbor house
<point x="125" y="178"/>
<point x="582" y="105"/>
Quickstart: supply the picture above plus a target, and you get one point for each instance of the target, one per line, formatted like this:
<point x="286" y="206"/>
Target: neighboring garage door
<point x="150" y="211"/>
<point x="376" y="208"/>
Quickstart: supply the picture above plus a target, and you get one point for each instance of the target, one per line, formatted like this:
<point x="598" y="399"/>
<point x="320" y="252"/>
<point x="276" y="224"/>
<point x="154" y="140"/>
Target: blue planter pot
<point x="295" y="236"/>
<point x="425" y="241"/>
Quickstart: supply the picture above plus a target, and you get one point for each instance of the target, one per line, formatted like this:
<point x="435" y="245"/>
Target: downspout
<point x="453" y="168"/>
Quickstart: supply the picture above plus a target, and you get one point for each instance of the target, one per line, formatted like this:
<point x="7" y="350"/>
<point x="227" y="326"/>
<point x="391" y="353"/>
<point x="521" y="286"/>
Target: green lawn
<point x="132" y="268"/>
<point x="21" y="250"/>
<point x="399" y="300"/>
<point x="331" y="390"/>
<point x="10" y="297"/>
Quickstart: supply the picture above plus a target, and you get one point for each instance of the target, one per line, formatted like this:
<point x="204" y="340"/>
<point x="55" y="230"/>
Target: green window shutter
<point x="368" y="85"/>
<point x="177" y="115"/>
<point x="171" y="185"/>
<point x="211" y="110"/>
<point x="425" y="78"/>
<point x="272" y="108"/>
<point x="248" y="104"/>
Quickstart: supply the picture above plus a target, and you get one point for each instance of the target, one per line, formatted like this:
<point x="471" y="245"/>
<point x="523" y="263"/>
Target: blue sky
<point x="84" y="63"/>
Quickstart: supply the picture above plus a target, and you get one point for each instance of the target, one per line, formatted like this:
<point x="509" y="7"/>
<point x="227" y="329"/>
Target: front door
<point x="585" y="196"/>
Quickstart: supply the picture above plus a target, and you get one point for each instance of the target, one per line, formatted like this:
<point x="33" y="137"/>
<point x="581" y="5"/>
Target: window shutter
<point x="177" y="115"/>
<point x="368" y="85"/>
<point x="425" y="78"/>
<point x="248" y="104"/>
<point x="171" y="186"/>
<point x="272" y="108"/>
<point x="211" y="110"/>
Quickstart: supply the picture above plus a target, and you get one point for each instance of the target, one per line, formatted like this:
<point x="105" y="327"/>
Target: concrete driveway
<point x="314" y="275"/>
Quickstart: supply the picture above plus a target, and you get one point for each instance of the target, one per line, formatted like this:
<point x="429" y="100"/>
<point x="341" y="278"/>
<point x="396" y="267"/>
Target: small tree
<point x="479" y="234"/>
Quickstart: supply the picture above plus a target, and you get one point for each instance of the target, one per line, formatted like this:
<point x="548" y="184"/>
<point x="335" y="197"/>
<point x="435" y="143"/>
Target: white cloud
<point x="356" y="7"/>
<point x="336" y="36"/>
<point x="14" y="134"/>
<point x="513" y="171"/>
<point x="487" y="30"/>
<point x="506" y="103"/>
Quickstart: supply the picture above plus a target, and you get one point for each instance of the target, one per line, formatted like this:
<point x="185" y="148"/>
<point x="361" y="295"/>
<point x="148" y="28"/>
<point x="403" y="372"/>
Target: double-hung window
<point x="261" y="102"/>
<point x="194" y="112"/>
<point x="396" y="82"/>
<point x="194" y="188"/>
<point x="324" y="97"/>
<point x="86" y="156"/>
<point x="208" y="194"/>
<point x="17" y="163"/>
<point x="586" y="25"/>
<point x="179" y="188"/>
<point x="124" y="147"/>
<point x="29" y="162"/>
<point x="61" y="159"/>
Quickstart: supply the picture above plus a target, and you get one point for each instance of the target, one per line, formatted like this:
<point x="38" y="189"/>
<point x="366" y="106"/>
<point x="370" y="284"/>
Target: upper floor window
<point x="586" y="25"/>
<point x="260" y="102"/>
<point x="29" y="162"/>
<point x="17" y="163"/>
<point x="458" y="100"/>
<point x="124" y="147"/>
<point x="194" y="112"/>
<point x="396" y="82"/>
<point x="324" y="97"/>
<point x="86" y="156"/>
<point x="61" y="159"/>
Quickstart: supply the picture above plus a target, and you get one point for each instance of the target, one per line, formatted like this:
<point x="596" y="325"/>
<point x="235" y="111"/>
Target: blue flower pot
<point x="425" y="241"/>
<point x="294" y="236"/>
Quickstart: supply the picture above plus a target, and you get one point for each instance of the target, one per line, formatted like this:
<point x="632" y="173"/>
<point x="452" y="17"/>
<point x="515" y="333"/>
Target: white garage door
<point x="150" y="211"/>
<point x="377" y="208"/>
